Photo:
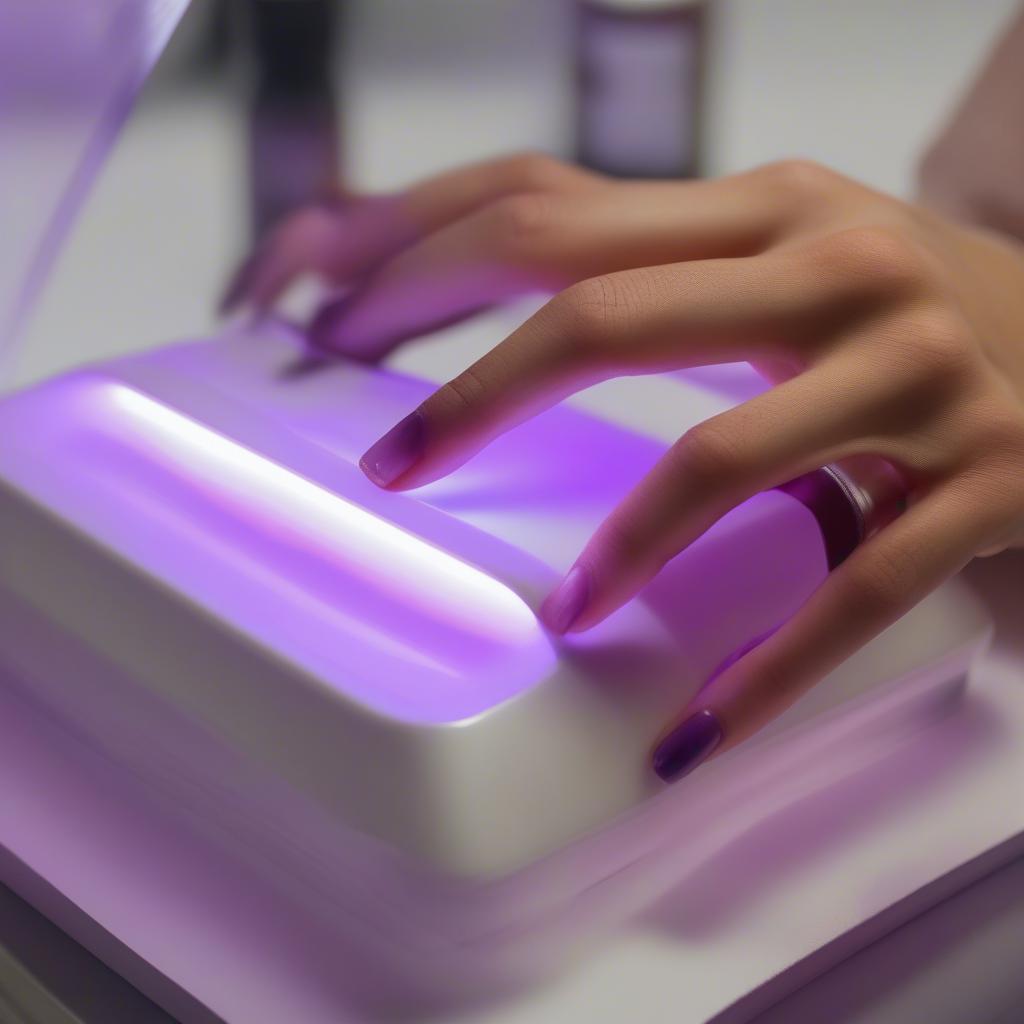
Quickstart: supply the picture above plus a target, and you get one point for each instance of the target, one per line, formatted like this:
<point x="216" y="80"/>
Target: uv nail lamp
<point x="192" y="523"/>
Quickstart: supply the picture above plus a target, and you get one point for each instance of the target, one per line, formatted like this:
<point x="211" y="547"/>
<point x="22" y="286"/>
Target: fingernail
<point x="322" y="330"/>
<point x="401" y="447"/>
<point x="564" y="605"/>
<point x="687" y="746"/>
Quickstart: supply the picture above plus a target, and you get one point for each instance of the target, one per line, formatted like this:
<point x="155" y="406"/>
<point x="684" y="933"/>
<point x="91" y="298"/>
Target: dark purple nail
<point x="687" y="746"/>
<point x="324" y="328"/>
<point x="564" y="605"/>
<point x="396" y="452"/>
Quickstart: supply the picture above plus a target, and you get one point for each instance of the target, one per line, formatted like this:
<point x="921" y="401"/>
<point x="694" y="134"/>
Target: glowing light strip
<point x="410" y="569"/>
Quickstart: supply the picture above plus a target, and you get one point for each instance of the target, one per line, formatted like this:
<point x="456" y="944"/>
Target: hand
<point x="887" y="332"/>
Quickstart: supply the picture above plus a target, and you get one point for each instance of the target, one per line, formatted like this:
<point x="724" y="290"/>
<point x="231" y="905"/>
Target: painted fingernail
<point x="323" y="330"/>
<point x="687" y="746"/>
<point x="564" y="605"/>
<point x="399" y="449"/>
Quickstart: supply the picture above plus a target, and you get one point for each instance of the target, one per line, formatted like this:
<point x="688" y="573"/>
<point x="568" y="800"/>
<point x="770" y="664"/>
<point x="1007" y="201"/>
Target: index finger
<point x="635" y="321"/>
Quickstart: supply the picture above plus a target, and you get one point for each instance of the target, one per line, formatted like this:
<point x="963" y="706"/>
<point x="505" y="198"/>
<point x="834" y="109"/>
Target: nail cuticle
<point x="566" y="603"/>
<point x="687" y="746"/>
<point x="396" y="452"/>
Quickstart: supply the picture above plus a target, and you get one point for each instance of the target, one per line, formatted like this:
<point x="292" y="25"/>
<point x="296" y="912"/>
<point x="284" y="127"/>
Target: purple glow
<point x="209" y="468"/>
<point x="223" y="652"/>
<point x="377" y="597"/>
<point x="432" y="581"/>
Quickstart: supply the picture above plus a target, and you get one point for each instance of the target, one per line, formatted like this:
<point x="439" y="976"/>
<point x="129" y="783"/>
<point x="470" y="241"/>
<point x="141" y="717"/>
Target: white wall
<point x="859" y="86"/>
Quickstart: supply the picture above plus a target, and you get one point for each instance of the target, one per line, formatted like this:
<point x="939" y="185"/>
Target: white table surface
<point x="859" y="86"/>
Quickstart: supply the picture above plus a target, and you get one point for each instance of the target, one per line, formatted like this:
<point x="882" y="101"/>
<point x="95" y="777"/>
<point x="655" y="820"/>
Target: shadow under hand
<point x="752" y="865"/>
<point x="999" y="583"/>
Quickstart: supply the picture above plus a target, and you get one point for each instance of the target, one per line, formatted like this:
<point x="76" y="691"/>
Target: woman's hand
<point x="886" y="331"/>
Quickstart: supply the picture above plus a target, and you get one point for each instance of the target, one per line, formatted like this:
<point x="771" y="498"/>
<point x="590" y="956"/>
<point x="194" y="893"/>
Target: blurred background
<point x="261" y="104"/>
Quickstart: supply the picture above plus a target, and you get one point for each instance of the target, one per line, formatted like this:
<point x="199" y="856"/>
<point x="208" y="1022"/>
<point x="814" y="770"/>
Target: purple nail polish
<point x="566" y="602"/>
<point x="396" y="452"/>
<point x="324" y="331"/>
<point x="687" y="746"/>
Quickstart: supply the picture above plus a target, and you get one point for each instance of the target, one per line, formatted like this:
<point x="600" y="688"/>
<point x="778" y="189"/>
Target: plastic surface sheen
<point x="194" y="520"/>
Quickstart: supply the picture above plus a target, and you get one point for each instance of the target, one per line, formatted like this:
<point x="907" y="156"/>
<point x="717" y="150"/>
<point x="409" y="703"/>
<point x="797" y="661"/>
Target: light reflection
<point x="404" y="565"/>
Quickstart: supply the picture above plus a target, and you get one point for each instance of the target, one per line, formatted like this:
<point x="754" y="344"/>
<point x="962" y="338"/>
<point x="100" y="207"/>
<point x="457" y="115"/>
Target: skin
<point x="886" y="330"/>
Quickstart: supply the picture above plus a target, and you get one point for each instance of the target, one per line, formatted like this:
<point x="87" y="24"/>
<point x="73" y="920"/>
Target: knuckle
<point x="536" y="171"/>
<point x="874" y="590"/>
<point x="882" y="587"/>
<point x="461" y="393"/>
<point x="999" y="436"/>
<point x="520" y="221"/>
<point x="800" y="178"/>
<point x="939" y="349"/>
<point x="705" y="453"/>
<point x="882" y="256"/>
<point x="597" y="310"/>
